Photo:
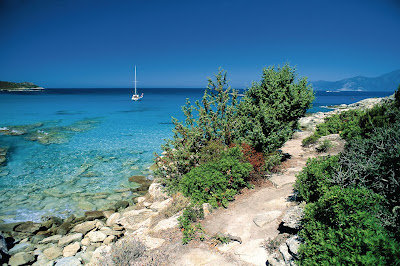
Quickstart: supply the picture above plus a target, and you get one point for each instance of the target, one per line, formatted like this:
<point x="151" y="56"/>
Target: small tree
<point x="215" y="123"/>
<point x="270" y="109"/>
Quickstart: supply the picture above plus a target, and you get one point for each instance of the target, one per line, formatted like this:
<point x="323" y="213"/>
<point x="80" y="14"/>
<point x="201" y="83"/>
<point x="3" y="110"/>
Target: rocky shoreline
<point x="90" y="240"/>
<point x="23" y="89"/>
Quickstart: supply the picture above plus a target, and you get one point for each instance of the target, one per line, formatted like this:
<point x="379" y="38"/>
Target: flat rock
<point x="51" y="239"/>
<point x="85" y="227"/>
<point x="69" y="261"/>
<point x="165" y="224"/>
<point x="265" y="218"/>
<point x="69" y="239"/>
<point x="109" y="239"/>
<point x="91" y="215"/>
<point x="113" y="219"/>
<point x="21" y="258"/>
<point x="71" y="249"/>
<point x="53" y="252"/>
<point x="161" y="205"/>
<point x="96" y="236"/>
<point x="19" y="248"/>
<point x="197" y="256"/>
<point x="27" y="227"/>
<point x="152" y="242"/>
<point x="252" y="252"/>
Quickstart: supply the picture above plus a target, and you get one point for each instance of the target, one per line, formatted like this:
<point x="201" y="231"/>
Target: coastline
<point x="23" y="89"/>
<point x="85" y="239"/>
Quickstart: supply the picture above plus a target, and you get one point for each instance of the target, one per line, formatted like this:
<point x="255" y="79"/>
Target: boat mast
<point x="135" y="80"/>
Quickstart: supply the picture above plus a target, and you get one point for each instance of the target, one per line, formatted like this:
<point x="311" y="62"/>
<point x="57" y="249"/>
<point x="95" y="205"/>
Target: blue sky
<point x="85" y="43"/>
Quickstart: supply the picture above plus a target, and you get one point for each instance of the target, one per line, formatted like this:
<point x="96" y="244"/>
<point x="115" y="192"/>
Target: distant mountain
<point x="386" y="82"/>
<point x="14" y="86"/>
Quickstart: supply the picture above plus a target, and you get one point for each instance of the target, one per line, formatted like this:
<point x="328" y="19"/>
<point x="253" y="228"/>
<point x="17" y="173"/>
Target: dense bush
<point x="217" y="182"/>
<point x="374" y="163"/>
<point x="341" y="228"/>
<point x="270" y="109"/>
<point x="315" y="179"/>
<point x="346" y="124"/>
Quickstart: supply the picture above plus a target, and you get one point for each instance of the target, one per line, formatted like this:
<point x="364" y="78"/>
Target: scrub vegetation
<point x="226" y="144"/>
<point x="352" y="214"/>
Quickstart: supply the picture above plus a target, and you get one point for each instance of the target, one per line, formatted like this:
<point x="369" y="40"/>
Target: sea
<point x="68" y="151"/>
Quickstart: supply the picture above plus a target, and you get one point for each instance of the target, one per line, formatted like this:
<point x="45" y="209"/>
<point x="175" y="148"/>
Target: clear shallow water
<point x="82" y="145"/>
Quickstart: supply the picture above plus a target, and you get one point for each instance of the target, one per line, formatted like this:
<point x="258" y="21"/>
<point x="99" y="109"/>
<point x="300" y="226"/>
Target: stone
<point x="135" y="219"/>
<point x="113" y="219"/>
<point x="37" y="238"/>
<point x="84" y="256"/>
<point x="156" y="192"/>
<point x="292" y="218"/>
<point x="64" y="228"/>
<point x="108" y="213"/>
<point x="86" y="241"/>
<point x="19" y="248"/>
<point x="152" y="242"/>
<point x="51" y="239"/>
<point x="293" y="244"/>
<point x="69" y="261"/>
<point x="53" y="252"/>
<point x="92" y="215"/>
<point x="85" y="227"/>
<point x="21" y="258"/>
<point x="165" y="224"/>
<point x="122" y="204"/>
<point x="109" y="239"/>
<point x="71" y="249"/>
<point x="28" y="227"/>
<point x="252" y="252"/>
<point x="99" y="224"/>
<point x="265" y="218"/>
<point x="3" y="246"/>
<point x="283" y="249"/>
<point x="161" y="205"/>
<point x="98" y="255"/>
<point x="140" y="199"/>
<point x="69" y="239"/>
<point x="52" y="221"/>
<point x="109" y="232"/>
<point x="96" y="236"/>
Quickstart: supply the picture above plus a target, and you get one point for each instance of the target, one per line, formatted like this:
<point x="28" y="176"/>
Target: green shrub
<point x="186" y="222"/>
<point x="341" y="228"/>
<point x="374" y="163"/>
<point x="324" y="146"/>
<point x="270" y="109"/>
<point x="315" y="179"/>
<point x="217" y="182"/>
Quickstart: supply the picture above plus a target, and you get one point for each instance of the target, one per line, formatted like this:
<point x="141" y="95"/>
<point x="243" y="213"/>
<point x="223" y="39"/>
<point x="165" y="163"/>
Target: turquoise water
<point x="73" y="150"/>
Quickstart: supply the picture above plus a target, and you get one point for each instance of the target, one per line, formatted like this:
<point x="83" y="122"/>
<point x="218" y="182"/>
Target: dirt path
<point x="253" y="217"/>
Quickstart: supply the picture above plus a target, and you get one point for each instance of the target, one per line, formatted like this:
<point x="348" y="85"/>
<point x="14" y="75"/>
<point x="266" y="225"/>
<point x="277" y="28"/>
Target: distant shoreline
<point x="23" y="89"/>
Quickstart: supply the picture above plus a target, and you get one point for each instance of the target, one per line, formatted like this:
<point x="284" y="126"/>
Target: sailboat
<point x="135" y="96"/>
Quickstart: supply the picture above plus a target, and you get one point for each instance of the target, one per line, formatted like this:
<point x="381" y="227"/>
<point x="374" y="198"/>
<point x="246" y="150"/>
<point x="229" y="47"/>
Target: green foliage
<point x="315" y="179"/>
<point x="324" y="146"/>
<point x="196" y="139"/>
<point x="217" y="182"/>
<point x="221" y="239"/>
<point x="186" y="222"/>
<point x="270" y="109"/>
<point x="346" y="124"/>
<point x="374" y="163"/>
<point x="341" y="228"/>
<point x="14" y="85"/>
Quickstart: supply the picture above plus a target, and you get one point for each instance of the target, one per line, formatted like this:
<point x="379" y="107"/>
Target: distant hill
<point x="386" y="82"/>
<point x="14" y="86"/>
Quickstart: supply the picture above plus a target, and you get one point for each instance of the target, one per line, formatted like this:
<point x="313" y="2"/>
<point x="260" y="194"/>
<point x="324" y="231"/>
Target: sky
<point x="180" y="43"/>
